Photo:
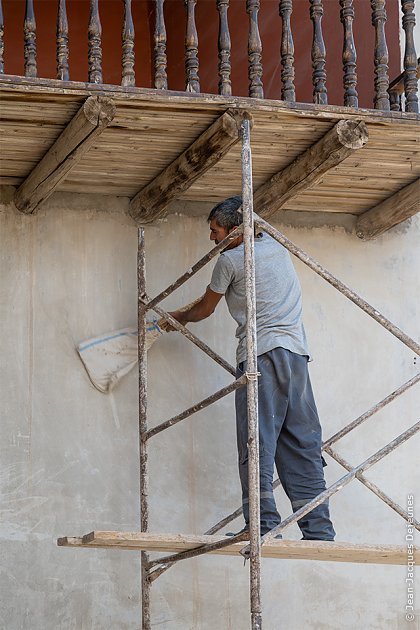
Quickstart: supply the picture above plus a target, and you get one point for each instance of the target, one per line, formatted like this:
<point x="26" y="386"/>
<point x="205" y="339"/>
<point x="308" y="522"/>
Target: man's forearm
<point x="196" y="313"/>
<point x="199" y="310"/>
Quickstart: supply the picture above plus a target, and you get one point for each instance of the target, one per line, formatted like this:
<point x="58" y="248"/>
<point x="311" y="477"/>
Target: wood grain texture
<point x="1" y="39"/>
<point x="308" y="168"/>
<point x="401" y="206"/>
<point x="191" y="49"/>
<point x="151" y="129"/>
<point x="318" y="54"/>
<point x="255" y="69"/>
<point x="142" y="420"/>
<point x="62" y="42"/>
<point x="397" y="88"/>
<point x="29" y="39"/>
<point x="287" y="52"/>
<point x="72" y="144"/>
<point x="381" y="100"/>
<point x="128" y="77"/>
<point x="349" y="54"/>
<point x="286" y="549"/>
<point x="32" y="87"/>
<point x="398" y="84"/>
<point x="94" y="44"/>
<point x="160" y="61"/>
<point x="152" y="201"/>
<point x="224" y="46"/>
<point x="410" y="62"/>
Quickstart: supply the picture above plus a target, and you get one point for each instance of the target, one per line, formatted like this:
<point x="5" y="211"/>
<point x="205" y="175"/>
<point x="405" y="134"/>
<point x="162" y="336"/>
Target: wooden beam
<point x="308" y="168"/>
<point x="397" y="208"/>
<point x="289" y="549"/>
<point x="151" y="202"/>
<point x="73" y="143"/>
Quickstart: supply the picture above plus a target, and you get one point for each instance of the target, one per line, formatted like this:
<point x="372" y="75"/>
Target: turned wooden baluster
<point x="225" y="85"/>
<point x="1" y="40"/>
<point x="191" y="49"/>
<point x="62" y="42"/>
<point x="161" y="79"/>
<point x="287" y="52"/>
<point x="395" y="101"/>
<point x="349" y="54"/>
<point x="410" y="58"/>
<point x="127" y="36"/>
<point x="381" y="100"/>
<point x="319" y="76"/>
<point x="255" y="69"/>
<point x="94" y="44"/>
<point x="29" y="31"/>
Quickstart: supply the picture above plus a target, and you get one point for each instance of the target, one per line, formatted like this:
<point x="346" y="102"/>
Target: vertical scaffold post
<point x="252" y="381"/>
<point x="144" y="478"/>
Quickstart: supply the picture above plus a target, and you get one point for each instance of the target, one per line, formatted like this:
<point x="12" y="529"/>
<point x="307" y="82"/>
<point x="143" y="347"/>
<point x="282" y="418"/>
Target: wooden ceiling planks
<point x="150" y="130"/>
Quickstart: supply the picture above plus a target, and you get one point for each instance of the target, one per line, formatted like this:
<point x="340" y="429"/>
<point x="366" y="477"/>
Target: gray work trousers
<point x="290" y="438"/>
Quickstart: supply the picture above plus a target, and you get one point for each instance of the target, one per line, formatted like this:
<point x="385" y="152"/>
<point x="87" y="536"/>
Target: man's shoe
<point x="244" y="530"/>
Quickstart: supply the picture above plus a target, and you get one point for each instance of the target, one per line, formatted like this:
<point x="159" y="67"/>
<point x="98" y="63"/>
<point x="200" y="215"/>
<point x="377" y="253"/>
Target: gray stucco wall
<point x="69" y="454"/>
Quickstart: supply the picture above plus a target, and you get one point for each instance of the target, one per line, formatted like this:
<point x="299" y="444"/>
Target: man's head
<point x="224" y="218"/>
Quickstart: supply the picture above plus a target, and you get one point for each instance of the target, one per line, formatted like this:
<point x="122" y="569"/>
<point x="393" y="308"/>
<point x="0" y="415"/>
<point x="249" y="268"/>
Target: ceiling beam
<point x="308" y="168"/>
<point x="73" y="143"/>
<point x="152" y="201"/>
<point x="400" y="206"/>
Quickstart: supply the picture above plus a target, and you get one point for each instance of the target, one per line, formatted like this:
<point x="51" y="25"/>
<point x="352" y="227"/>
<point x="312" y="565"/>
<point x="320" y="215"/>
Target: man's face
<point x="218" y="233"/>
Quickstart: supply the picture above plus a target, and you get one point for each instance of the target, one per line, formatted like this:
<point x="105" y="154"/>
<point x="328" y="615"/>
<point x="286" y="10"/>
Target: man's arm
<point x="203" y="309"/>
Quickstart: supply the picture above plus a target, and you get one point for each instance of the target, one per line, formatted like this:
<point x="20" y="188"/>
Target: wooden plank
<point x="153" y="200"/>
<point x="308" y="169"/>
<point x="69" y="148"/>
<point x="285" y="549"/>
<point x="59" y="88"/>
<point x="401" y="206"/>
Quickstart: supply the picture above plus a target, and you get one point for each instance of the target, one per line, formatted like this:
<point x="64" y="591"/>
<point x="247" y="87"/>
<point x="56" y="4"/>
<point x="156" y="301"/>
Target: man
<point x="289" y="428"/>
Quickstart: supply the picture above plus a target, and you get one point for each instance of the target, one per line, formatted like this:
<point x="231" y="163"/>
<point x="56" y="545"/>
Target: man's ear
<point x="234" y="228"/>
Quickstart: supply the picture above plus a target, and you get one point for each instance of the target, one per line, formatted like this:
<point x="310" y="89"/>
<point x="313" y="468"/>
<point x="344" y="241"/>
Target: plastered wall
<point x="69" y="454"/>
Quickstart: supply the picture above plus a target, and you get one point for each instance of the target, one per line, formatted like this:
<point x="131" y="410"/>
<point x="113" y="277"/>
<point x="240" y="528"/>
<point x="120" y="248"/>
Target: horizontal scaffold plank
<point x="285" y="549"/>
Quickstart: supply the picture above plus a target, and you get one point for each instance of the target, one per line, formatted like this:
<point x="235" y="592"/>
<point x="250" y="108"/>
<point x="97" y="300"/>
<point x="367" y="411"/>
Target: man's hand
<point x="179" y="316"/>
<point x="199" y="311"/>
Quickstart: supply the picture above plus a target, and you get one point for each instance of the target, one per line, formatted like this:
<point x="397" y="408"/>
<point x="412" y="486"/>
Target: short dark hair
<point x="227" y="213"/>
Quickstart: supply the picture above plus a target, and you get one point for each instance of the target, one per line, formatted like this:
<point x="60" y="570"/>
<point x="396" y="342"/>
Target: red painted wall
<point x="111" y="12"/>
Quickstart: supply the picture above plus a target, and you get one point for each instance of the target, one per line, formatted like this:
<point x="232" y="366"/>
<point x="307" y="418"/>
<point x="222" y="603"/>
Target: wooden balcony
<point x="276" y="62"/>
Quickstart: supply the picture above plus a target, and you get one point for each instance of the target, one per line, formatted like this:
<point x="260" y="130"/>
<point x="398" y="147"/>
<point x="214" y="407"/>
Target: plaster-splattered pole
<point x="144" y="475"/>
<point x="252" y="381"/>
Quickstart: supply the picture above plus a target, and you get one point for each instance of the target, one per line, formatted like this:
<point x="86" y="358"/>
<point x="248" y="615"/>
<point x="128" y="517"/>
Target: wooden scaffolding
<point x="187" y="546"/>
<point x="50" y="127"/>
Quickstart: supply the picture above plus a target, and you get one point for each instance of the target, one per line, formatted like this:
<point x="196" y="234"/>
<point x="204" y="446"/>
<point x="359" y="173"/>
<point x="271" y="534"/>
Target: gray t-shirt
<point x="278" y="293"/>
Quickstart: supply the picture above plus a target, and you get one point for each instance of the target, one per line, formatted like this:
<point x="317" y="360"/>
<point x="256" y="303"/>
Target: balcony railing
<point x="400" y="94"/>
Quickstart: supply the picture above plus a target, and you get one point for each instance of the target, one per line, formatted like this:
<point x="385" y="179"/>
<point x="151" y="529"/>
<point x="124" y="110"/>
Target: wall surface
<point x="69" y="454"/>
